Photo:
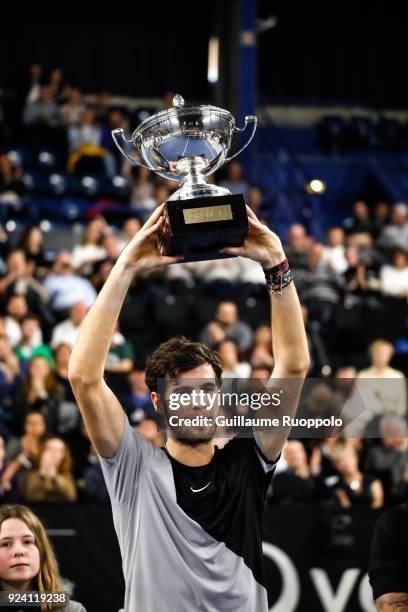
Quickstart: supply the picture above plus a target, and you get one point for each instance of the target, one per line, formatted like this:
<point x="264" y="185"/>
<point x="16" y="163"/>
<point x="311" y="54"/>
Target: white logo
<point x="202" y="488"/>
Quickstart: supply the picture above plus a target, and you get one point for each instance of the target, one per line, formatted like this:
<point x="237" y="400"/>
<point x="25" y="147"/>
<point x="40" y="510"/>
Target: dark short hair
<point x="179" y="355"/>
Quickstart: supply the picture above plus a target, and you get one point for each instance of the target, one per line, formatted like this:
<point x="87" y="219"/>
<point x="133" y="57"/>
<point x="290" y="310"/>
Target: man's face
<point x="227" y="314"/>
<point x="192" y="394"/>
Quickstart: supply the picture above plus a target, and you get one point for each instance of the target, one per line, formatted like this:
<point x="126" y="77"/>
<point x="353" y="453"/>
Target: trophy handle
<point x="248" y="119"/>
<point x="119" y="138"/>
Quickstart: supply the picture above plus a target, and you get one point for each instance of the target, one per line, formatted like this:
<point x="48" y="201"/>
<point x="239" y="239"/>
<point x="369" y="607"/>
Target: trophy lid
<point x="179" y="112"/>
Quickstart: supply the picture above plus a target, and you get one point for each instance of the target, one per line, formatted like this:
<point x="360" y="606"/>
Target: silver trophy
<point x="187" y="144"/>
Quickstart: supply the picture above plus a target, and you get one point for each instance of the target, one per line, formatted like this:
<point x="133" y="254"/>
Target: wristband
<point x="278" y="277"/>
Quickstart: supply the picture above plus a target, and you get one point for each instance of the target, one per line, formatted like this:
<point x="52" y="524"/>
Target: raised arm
<point x="102" y="413"/>
<point x="290" y="348"/>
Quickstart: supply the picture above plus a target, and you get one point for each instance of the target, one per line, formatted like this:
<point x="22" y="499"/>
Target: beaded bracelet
<point x="278" y="277"/>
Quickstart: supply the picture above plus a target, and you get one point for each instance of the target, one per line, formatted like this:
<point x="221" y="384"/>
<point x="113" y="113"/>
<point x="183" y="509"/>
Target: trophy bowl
<point x="187" y="144"/>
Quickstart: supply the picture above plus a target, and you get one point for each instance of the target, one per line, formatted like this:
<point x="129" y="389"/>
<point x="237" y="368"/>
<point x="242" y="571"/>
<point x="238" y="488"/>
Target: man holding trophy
<point x="188" y="516"/>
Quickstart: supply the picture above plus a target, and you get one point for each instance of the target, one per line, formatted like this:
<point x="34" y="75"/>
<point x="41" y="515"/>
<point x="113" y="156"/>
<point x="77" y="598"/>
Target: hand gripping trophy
<point x="187" y="144"/>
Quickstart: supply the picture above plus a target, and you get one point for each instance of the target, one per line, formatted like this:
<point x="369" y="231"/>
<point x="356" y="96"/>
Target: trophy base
<point x="197" y="228"/>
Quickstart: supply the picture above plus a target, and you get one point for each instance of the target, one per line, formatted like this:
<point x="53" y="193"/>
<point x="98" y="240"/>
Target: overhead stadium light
<point x="213" y="50"/>
<point x="315" y="186"/>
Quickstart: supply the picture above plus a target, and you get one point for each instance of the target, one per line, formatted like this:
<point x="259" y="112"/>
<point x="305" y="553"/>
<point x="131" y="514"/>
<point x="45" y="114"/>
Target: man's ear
<point x="154" y="396"/>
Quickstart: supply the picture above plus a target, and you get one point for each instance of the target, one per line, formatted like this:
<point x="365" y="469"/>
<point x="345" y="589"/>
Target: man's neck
<point x="192" y="456"/>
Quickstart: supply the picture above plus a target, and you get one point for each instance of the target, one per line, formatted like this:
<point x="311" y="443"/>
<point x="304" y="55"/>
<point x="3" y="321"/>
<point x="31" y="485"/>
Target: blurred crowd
<point x="353" y="288"/>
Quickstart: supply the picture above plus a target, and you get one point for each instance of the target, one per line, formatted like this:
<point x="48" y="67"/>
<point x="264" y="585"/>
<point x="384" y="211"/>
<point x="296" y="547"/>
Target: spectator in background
<point x="296" y="484"/>
<point x="381" y="212"/>
<point x="334" y="252"/>
<point x="297" y="247"/>
<point x="86" y="140"/>
<point x="360" y="277"/>
<point x="100" y="272"/>
<point x="260" y="353"/>
<point x="34" y="83"/>
<point x="359" y="227"/>
<point x="137" y="402"/>
<point x="68" y="414"/>
<point x="73" y="109"/>
<point x="112" y="247"/>
<point x="8" y="487"/>
<point x="52" y="479"/>
<point x="16" y="310"/>
<point x="20" y="280"/>
<point x="67" y="331"/>
<point x="141" y="185"/>
<point x="120" y="356"/>
<point x="387" y="384"/>
<point x="394" y="276"/>
<point x="233" y="179"/>
<point x="32" y="245"/>
<point x="353" y="487"/>
<point x="56" y="82"/>
<point x="65" y="288"/>
<point x="254" y="199"/>
<point x="226" y="325"/>
<point x="219" y="276"/>
<point x="39" y="392"/>
<point x="9" y="379"/>
<point x="23" y="451"/>
<point x="232" y="366"/>
<point x="30" y="344"/>
<point x="90" y="250"/>
<point x="395" y="235"/>
<point x="149" y="430"/>
<point x="319" y="286"/>
<point x="42" y="120"/>
<point x="11" y="181"/>
<point x="389" y="461"/>
<point x="130" y="227"/>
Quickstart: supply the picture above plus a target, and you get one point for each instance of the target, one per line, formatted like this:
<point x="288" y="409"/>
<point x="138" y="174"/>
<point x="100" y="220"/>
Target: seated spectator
<point x="23" y="452"/>
<point x="20" y="280"/>
<point x="395" y="234"/>
<point x="72" y="110"/>
<point x="16" y="310"/>
<point x="260" y="353"/>
<point x="120" y="356"/>
<point x="111" y="246"/>
<point x="130" y="227"/>
<point x="100" y="272"/>
<point x="334" y="252"/>
<point x="141" y="186"/>
<point x="149" y="430"/>
<point x="232" y="366"/>
<point x="39" y="392"/>
<point x="9" y="380"/>
<point x="90" y="250"/>
<point x="86" y="141"/>
<point x="319" y="287"/>
<point x="42" y="120"/>
<point x="360" y="277"/>
<point x="394" y="276"/>
<point x="296" y="484"/>
<point x="11" y="181"/>
<point x="65" y="288"/>
<point x="381" y="217"/>
<point x="51" y="480"/>
<point x="68" y="414"/>
<point x="66" y="332"/>
<point x="226" y="325"/>
<point x="354" y="488"/>
<point x="30" y="344"/>
<point x="389" y="460"/>
<point x="251" y="277"/>
<point x="297" y="246"/>
<point x="8" y="487"/>
<point x="233" y="179"/>
<point x="31" y="243"/>
<point x="219" y="276"/>
<point x="359" y="227"/>
<point x="137" y="402"/>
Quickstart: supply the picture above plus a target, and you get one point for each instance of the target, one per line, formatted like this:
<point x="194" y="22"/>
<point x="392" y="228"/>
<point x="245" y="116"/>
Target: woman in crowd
<point x="52" y="480"/>
<point x="27" y="560"/>
<point x="354" y="487"/>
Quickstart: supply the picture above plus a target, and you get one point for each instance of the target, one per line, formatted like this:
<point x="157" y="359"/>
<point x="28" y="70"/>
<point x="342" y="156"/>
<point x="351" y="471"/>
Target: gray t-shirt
<point x="190" y="537"/>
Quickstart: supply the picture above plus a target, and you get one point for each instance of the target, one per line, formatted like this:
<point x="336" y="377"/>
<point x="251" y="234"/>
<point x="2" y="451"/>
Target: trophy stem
<point x="191" y="170"/>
